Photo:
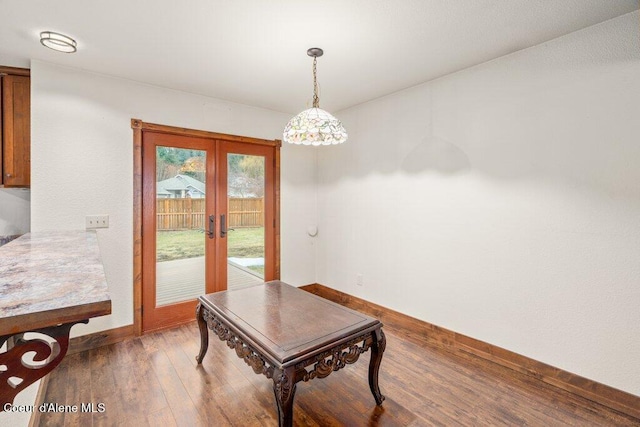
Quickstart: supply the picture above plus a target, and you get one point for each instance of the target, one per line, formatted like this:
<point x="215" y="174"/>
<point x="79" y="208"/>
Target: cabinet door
<point x="16" y="131"/>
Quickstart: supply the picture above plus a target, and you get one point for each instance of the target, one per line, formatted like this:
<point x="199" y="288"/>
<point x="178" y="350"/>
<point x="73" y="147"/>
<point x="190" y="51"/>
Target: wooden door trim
<point x="137" y="227"/>
<point x="277" y="211"/>
<point x="202" y="133"/>
<point x="14" y="71"/>
<point x="138" y="126"/>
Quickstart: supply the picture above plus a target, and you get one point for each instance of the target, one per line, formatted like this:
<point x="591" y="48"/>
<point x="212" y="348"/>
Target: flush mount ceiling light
<point x="57" y="41"/>
<point x="314" y="126"/>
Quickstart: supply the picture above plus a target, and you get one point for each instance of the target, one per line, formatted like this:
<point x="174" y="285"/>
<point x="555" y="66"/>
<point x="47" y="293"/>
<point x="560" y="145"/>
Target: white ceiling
<point x="254" y="51"/>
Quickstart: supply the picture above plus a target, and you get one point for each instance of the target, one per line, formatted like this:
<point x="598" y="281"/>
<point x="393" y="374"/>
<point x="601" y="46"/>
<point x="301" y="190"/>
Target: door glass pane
<point x="180" y="223"/>
<point x="246" y="217"/>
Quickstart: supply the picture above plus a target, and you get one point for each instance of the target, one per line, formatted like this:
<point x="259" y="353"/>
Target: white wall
<point x="82" y="164"/>
<point x="502" y="202"/>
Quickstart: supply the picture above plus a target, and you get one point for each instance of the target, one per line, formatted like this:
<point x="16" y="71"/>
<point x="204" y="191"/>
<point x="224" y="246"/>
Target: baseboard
<point x="420" y="331"/>
<point x="99" y="339"/>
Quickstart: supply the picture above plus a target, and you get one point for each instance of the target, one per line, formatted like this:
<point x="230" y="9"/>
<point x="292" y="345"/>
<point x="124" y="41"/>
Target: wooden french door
<point x="208" y="221"/>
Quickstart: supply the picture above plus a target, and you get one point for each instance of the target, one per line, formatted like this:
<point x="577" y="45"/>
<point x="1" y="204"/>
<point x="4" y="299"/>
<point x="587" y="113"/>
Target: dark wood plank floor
<point x="154" y="380"/>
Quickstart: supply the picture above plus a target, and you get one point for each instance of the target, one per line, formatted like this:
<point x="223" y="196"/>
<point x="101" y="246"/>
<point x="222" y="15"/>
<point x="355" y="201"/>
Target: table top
<point x="47" y="278"/>
<point x="285" y="322"/>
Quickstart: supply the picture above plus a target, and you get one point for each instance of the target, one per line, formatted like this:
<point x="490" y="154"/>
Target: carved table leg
<point x="27" y="360"/>
<point x="204" y="333"/>
<point x="284" y="388"/>
<point x="377" y="349"/>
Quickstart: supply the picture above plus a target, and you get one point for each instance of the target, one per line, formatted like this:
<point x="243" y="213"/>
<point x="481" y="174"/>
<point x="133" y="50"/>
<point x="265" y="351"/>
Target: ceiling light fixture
<point x="57" y="41"/>
<point x="314" y="126"/>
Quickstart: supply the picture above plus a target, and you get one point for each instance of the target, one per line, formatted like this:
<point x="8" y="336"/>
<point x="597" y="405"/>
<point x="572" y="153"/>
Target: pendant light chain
<point x="314" y="126"/>
<point x="316" y="100"/>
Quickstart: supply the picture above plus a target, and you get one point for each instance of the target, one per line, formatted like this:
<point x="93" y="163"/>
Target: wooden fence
<point x="186" y="214"/>
<point x="245" y="212"/>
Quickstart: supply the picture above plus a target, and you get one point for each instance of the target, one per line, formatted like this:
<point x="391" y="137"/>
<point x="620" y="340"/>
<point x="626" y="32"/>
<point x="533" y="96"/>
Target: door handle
<point x="223" y="225"/>
<point x="212" y="227"/>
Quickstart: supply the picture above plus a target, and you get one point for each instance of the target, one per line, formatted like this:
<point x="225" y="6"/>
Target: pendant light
<point x="314" y="126"/>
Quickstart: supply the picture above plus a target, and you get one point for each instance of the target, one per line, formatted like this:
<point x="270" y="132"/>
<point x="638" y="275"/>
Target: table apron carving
<point x="243" y="350"/>
<point x="334" y="359"/>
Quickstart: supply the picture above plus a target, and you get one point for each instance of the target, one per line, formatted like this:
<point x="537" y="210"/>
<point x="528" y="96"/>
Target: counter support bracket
<point x="26" y="360"/>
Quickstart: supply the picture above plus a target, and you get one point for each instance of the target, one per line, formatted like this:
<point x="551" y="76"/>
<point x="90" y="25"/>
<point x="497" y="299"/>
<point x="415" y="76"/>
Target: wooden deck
<point x="183" y="279"/>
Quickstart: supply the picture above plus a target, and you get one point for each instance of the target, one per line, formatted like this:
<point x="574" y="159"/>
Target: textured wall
<point x="502" y="202"/>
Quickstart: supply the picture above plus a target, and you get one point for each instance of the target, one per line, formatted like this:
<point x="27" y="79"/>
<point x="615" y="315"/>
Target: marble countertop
<point x="47" y="278"/>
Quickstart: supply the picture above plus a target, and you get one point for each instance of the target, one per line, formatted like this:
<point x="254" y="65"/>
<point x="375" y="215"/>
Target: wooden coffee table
<point x="290" y="335"/>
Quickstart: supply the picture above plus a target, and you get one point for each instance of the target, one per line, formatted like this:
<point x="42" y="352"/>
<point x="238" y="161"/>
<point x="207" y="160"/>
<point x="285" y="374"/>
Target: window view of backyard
<point x="241" y="243"/>
<point x="181" y="221"/>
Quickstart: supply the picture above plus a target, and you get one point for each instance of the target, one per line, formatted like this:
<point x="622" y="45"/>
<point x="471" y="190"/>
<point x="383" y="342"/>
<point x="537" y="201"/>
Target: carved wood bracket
<point x="26" y="360"/>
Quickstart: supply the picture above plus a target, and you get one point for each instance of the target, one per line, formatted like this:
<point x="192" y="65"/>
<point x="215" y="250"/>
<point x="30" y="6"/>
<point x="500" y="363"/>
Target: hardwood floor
<point x="154" y="380"/>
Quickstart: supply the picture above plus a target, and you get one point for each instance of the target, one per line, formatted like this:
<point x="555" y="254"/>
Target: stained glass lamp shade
<point x="314" y="126"/>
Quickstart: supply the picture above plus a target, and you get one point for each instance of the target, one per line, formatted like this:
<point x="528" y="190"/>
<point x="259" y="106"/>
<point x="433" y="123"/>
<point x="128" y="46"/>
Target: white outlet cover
<point x="96" y="221"/>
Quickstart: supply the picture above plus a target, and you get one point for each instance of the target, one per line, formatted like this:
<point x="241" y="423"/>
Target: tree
<point x="171" y="161"/>
<point x="195" y="167"/>
<point x="246" y="175"/>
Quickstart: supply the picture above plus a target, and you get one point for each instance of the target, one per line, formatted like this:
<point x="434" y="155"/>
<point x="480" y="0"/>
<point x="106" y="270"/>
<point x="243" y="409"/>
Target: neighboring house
<point x="180" y="186"/>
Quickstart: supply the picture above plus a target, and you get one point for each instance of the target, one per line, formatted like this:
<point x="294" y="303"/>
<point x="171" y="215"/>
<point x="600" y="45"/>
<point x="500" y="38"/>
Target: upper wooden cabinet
<point x="15" y="122"/>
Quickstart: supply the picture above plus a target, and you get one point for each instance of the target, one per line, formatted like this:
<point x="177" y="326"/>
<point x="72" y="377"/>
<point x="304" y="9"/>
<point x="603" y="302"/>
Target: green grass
<point x="172" y="245"/>
<point x="242" y="243"/>
<point x="246" y="243"/>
